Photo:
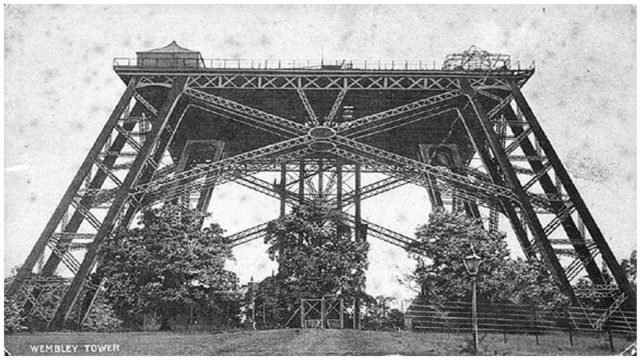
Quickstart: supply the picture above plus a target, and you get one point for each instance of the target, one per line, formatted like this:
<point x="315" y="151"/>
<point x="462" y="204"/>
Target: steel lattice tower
<point x="185" y="125"/>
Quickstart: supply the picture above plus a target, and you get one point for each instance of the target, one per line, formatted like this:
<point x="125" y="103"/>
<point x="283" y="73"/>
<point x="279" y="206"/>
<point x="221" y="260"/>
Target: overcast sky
<point x="60" y="89"/>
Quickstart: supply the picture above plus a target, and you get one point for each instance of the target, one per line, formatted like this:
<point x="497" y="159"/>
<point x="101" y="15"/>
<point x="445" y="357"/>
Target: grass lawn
<point x="306" y="342"/>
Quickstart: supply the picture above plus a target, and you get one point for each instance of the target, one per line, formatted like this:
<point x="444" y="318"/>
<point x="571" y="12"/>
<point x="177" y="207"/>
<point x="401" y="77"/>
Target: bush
<point x="13" y="320"/>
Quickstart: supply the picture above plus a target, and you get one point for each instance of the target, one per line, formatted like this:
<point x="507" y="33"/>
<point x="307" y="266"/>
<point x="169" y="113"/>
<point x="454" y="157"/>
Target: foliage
<point x="316" y="256"/>
<point x="166" y="265"/>
<point x="380" y="316"/>
<point x="102" y="317"/>
<point x="449" y="237"/>
<point x="630" y="267"/>
<point x="13" y="320"/>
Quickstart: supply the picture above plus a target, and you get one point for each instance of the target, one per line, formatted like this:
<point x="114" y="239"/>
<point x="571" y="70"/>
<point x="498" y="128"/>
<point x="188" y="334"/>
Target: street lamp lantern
<point x="472" y="263"/>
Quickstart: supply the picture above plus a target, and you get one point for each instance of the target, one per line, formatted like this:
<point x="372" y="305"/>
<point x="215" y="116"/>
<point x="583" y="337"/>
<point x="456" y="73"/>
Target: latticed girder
<point x="225" y="173"/>
<point x="619" y="300"/>
<point x="414" y="171"/>
<point x="146" y="104"/>
<point x="250" y="234"/>
<point x="307" y="106"/>
<point x="392" y="237"/>
<point x="291" y="197"/>
<point x="594" y="291"/>
<point x="326" y="80"/>
<point x="259" y="231"/>
<point x="156" y="187"/>
<point x="248" y="115"/>
<point x="374" y="230"/>
<point x="62" y="250"/>
<point x="335" y="107"/>
<point x="388" y="117"/>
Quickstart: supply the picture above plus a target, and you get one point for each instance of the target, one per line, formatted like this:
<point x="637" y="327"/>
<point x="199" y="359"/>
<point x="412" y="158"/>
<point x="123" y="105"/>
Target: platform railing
<point x="270" y="64"/>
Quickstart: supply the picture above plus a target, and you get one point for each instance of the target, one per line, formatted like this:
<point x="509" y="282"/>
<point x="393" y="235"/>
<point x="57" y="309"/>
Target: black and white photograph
<point x="320" y="179"/>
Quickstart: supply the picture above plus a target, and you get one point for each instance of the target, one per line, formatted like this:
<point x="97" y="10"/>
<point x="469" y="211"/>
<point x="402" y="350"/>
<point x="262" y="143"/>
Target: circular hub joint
<point x="322" y="145"/>
<point x="322" y="132"/>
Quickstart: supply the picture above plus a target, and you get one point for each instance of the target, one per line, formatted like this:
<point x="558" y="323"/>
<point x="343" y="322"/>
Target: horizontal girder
<point x="327" y="80"/>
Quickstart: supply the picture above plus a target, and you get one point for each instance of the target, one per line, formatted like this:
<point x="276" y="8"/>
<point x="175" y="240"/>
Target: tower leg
<point x="339" y="184"/>
<point x="205" y="194"/>
<point x="152" y="167"/>
<point x="320" y="178"/>
<point x="478" y="141"/>
<point x="72" y="190"/>
<point x="511" y="178"/>
<point x="301" y="175"/>
<point x="434" y="195"/>
<point x="549" y="188"/>
<point x="576" y="199"/>
<point x="357" y="202"/>
<point x="90" y="258"/>
<point x="283" y="190"/>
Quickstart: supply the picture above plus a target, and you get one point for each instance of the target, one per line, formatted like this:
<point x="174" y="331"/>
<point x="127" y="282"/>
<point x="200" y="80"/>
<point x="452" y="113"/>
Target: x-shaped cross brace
<point x="338" y="140"/>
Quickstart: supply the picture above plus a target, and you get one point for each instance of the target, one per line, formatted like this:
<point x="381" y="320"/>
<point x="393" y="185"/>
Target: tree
<point x="167" y="265"/>
<point x="380" y="316"/>
<point x="317" y="257"/>
<point x="13" y="319"/>
<point x="630" y="267"/>
<point x="449" y="237"/>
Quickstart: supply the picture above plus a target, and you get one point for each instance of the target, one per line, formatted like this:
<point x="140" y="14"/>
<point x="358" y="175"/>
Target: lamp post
<point x="252" y="288"/>
<point x="472" y="263"/>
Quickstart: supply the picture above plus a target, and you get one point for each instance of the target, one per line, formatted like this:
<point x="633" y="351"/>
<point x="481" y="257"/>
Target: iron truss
<point x="522" y="177"/>
<point x="328" y="80"/>
<point x="377" y="231"/>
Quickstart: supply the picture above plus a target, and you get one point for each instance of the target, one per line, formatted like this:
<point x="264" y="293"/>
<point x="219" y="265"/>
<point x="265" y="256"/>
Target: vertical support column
<point x="320" y="178"/>
<point x="357" y="202"/>
<point x="339" y="184"/>
<point x="608" y="256"/>
<point x="38" y="248"/>
<point x="283" y="190"/>
<point x="122" y="196"/>
<point x="434" y="195"/>
<point x="205" y="194"/>
<point x="357" y="195"/>
<point x="301" y="183"/>
<point x="341" y="313"/>
<point x="353" y="317"/>
<point x="322" y="313"/>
